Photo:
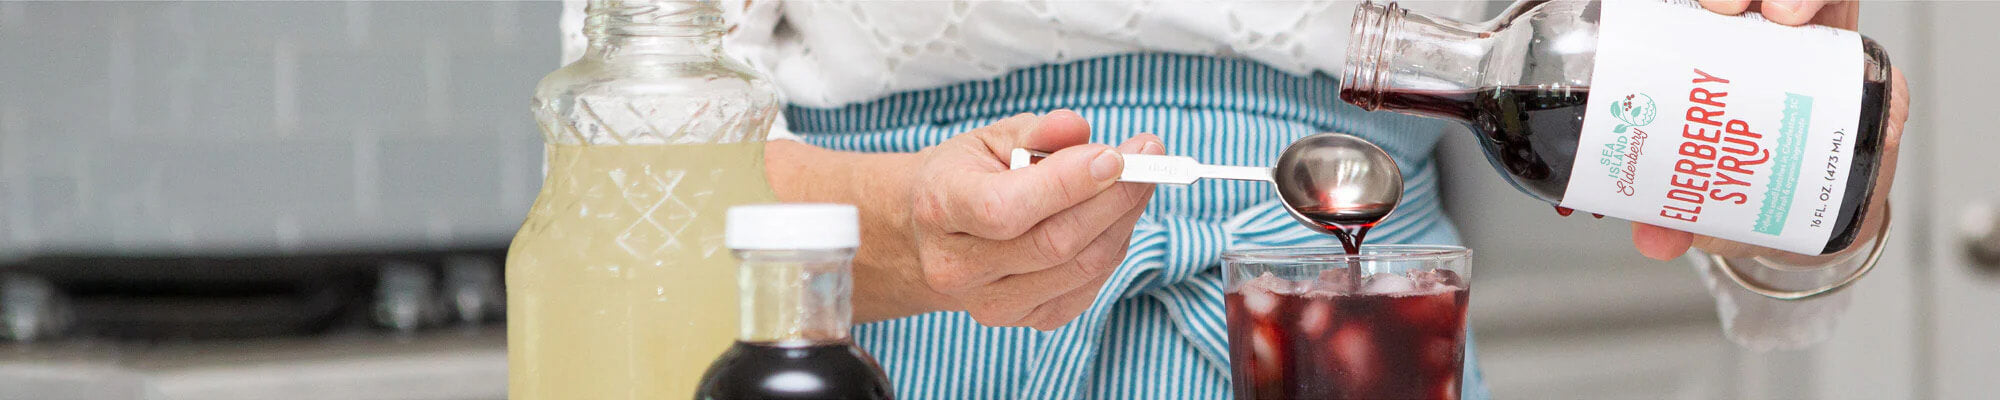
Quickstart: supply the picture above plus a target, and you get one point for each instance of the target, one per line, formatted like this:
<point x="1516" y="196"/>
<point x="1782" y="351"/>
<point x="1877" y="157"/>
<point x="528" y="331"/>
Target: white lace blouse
<point x="826" y="54"/>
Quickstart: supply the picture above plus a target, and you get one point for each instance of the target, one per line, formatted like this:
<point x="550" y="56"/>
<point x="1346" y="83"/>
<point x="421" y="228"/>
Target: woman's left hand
<point x="1663" y="244"/>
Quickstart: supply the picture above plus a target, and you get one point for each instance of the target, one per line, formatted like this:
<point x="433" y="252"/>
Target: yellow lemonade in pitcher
<point x="618" y="285"/>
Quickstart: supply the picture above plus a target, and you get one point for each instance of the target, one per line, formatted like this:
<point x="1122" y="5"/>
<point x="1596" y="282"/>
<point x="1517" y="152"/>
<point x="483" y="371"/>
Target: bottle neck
<point x="795" y="297"/>
<point x="1394" y="51"/>
<point x="619" y="28"/>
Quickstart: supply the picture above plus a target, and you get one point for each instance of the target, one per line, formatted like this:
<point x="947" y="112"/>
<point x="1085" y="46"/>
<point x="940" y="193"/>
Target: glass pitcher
<point x="618" y="284"/>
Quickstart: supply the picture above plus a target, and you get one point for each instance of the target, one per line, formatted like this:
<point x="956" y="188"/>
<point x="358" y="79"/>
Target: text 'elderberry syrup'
<point x="1725" y="126"/>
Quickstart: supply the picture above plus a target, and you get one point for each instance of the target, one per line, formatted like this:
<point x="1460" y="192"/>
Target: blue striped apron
<point x="1156" y="329"/>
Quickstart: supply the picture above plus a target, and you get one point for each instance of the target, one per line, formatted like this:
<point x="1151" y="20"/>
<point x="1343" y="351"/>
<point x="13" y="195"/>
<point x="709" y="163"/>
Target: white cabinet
<point x="1927" y="323"/>
<point x="1932" y="325"/>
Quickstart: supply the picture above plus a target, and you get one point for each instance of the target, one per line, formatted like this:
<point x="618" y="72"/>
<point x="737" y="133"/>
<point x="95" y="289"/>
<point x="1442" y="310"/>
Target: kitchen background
<point x="209" y="200"/>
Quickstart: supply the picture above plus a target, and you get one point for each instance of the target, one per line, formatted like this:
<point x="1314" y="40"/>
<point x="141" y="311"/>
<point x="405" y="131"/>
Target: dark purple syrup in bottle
<point x="777" y="372"/>
<point x="1531" y="134"/>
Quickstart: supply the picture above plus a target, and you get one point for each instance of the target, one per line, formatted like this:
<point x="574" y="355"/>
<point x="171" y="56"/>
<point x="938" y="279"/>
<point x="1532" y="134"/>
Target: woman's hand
<point x="1662" y="243"/>
<point x="1028" y="247"/>
<point x="950" y="228"/>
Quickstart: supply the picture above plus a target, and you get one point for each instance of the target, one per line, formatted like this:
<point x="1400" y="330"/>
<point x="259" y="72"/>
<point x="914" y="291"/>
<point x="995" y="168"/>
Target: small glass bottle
<point x="794" y="284"/>
<point x="1724" y="126"/>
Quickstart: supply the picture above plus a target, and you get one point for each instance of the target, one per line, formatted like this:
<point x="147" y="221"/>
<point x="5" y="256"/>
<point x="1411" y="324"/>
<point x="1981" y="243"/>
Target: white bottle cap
<point x="793" y="226"/>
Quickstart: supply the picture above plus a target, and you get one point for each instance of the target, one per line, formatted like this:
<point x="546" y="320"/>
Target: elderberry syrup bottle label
<point x="1724" y="126"/>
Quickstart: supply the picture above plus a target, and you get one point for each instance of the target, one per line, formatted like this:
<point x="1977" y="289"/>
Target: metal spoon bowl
<point x="1327" y="181"/>
<point x="1331" y="180"/>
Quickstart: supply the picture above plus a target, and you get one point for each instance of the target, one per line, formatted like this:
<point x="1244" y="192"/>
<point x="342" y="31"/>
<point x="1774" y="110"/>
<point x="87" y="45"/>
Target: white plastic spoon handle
<point x="1147" y="168"/>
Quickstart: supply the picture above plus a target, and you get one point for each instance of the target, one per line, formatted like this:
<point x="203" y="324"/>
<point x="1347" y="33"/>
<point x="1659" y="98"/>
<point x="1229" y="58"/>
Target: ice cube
<point x="1336" y="280"/>
<point x="1387" y="283"/>
<point x="1318" y="289"/>
<point x="1438" y="312"/>
<point x="1317" y="316"/>
<point x="1354" y="350"/>
<point x="1264" y="347"/>
<point x="1439" y="353"/>
<point x="1270" y="283"/>
<point x="1446" y="390"/>
<point x="1436" y="280"/>
<point x="1260" y="294"/>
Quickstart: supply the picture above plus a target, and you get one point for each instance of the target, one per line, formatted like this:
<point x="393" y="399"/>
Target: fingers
<point x="1664" y="244"/>
<point x="962" y="263"/>
<point x="1010" y="300"/>
<point x="1726" y="7"/>
<point x="1058" y="238"/>
<point x="1055" y="239"/>
<point x="1660" y="243"/>
<point x="1899" y="112"/>
<point x="1059" y="129"/>
<point x="1839" y="14"/>
<point x="1056" y="130"/>
<point x="1791" y="12"/>
<point x="1885" y="179"/>
<point x="1843" y="14"/>
<point x="1028" y="246"/>
<point x="1892" y="146"/>
<point x="1003" y="205"/>
<point x="1064" y="308"/>
<point x="1005" y="282"/>
<point x="974" y="192"/>
<point x="980" y="196"/>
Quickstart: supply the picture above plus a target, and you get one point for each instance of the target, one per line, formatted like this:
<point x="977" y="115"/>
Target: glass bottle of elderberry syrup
<point x="794" y="284"/>
<point x="1726" y="126"/>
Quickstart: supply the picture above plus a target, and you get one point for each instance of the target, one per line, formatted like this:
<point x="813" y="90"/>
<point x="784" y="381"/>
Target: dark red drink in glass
<point x="1399" y="334"/>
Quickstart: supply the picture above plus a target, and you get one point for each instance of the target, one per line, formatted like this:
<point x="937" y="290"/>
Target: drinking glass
<point x="1319" y="323"/>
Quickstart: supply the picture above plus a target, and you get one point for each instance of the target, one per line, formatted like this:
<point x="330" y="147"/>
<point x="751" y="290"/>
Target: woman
<point x="908" y="110"/>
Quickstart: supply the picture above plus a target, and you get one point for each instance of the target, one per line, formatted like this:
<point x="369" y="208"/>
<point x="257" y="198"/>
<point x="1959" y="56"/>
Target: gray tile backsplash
<point x="195" y="127"/>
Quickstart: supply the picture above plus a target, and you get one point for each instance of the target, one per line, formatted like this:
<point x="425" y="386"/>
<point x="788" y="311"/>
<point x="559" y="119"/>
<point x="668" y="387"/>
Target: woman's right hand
<point x="1027" y="247"/>
<point x="951" y="228"/>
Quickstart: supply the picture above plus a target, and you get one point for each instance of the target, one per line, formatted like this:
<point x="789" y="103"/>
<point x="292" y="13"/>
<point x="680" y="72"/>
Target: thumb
<point x="1660" y="243"/>
<point x="1791" y="12"/>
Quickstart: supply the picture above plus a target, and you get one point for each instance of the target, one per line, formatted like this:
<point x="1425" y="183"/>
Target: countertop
<point x="446" y="365"/>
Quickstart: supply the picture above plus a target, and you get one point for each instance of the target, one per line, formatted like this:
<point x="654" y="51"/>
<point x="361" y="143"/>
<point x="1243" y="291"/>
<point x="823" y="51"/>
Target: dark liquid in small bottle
<point x="1531" y="133"/>
<point x="817" y="371"/>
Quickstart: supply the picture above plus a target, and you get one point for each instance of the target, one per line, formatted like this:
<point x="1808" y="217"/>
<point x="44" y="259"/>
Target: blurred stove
<point x="411" y="325"/>
<point x="192" y="191"/>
